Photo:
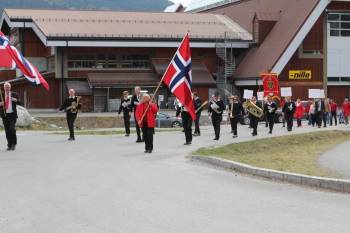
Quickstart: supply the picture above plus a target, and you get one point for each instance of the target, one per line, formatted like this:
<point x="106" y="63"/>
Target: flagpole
<point x="2" y="100"/>
<point x="161" y="80"/>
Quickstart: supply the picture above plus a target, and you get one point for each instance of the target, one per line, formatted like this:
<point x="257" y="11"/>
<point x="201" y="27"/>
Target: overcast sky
<point x="184" y="2"/>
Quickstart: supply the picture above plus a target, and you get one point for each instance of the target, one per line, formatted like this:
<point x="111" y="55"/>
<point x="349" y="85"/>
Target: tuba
<point x="253" y="109"/>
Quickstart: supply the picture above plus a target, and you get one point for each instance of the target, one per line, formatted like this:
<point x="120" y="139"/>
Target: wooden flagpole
<point x="161" y="80"/>
<point x="2" y="100"/>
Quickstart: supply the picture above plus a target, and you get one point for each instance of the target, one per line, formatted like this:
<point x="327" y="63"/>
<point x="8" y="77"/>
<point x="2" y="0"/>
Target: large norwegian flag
<point x="178" y="76"/>
<point x="30" y="72"/>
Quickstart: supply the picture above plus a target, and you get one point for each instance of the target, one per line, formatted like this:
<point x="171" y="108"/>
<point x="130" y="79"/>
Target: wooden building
<point x="102" y="53"/>
<point x="305" y="42"/>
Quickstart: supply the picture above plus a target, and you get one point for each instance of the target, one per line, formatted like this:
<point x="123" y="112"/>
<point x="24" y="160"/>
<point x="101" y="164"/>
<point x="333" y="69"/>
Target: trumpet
<point x="253" y="109"/>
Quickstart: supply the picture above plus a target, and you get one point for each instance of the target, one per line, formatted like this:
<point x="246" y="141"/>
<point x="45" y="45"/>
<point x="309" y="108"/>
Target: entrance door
<point x="100" y="100"/>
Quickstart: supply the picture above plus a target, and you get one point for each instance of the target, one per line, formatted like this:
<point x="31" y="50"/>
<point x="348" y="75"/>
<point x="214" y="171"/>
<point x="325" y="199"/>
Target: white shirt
<point x="9" y="108"/>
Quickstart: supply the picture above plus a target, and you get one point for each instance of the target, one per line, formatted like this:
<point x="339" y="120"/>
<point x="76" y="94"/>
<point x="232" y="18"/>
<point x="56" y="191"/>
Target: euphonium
<point x="74" y="107"/>
<point x="253" y="109"/>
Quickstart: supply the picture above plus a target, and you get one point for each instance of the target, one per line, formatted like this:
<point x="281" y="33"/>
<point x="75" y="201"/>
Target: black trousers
<point x="289" y="120"/>
<point x="254" y="124"/>
<point x="138" y="131"/>
<point x="70" y="121"/>
<point x="196" y="124"/>
<point x="216" y="121"/>
<point x="333" y="116"/>
<point x="127" y="123"/>
<point x="319" y="117"/>
<point x="148" y="137"/>
<point x="271" y="121"/>
<point x="187" y="125"/>
<point x="234" y="122"/>
<point x="325" y="118"/>
<point x="10" y="129"/>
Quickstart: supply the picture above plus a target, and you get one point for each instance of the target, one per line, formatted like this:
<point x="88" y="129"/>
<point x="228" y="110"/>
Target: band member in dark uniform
<point x="236" y="111"/>
<point x="135" y="100"/>
<point x="187" y="125"/>
<point x="254" y="121"/>
<point x="319" y="111"/>
<point x="270" y="110"/>
<point x="148" y="111"/>
<point x="71" y="106"/>
<point x="125" y="107"/>
<point x="289" y="110"/>
<point x="9" y="116"/>
<point x="216" y="108"/>
<point x="198" y="107"/>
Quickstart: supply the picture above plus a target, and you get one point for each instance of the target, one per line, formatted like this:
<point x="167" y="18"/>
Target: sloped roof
<point x="173" y="8"/>
<point x="114" y="24"/>
<point x="293" y="15"/>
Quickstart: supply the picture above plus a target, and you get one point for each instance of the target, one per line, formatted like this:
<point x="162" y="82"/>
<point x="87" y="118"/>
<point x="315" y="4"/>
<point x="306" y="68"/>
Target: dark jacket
<point x="14" y="107"/>
<point x="219" y="111"/>
<point x="134" y="103"/>
<point x="125" y="106"/>
<point x="67" y="103"/>
<point x="197" y="104"/>
<point x="251" y="116"/>
<point x="289" y="108"/>
<point x="238" y="109"/>
<point x="270" y="109"/>
<point x="317" y="106"/>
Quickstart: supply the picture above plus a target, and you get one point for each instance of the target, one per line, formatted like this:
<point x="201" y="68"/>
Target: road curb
<point x="332" y="184"/>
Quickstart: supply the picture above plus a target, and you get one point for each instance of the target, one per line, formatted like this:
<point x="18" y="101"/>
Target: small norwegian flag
<point x="178" y="76"/>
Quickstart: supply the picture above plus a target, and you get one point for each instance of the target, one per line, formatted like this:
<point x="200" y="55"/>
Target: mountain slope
<point x="131" y="5"/>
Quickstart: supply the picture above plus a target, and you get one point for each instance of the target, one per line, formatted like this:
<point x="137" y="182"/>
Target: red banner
<point x="271" y="84"/>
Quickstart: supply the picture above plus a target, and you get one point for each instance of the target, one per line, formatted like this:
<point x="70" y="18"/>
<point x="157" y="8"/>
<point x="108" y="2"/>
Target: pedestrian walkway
<point x="338" y="160"/>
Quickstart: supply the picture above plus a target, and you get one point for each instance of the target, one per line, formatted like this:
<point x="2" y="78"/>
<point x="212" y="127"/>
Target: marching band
<point x="143" y="109"/>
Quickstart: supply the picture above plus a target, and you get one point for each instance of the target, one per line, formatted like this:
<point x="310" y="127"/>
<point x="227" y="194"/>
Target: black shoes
<point x="216" y="139"/>
<point x="11" y="148"/>
<point x="127" y="135"/>
<point x="196" y="134"/>
<point x="148" y="151"/>
<point x="234" y="136"/>
<point x="71" y="139"/>
<point x="187" y="143"/>
<point x="138" y="140"/>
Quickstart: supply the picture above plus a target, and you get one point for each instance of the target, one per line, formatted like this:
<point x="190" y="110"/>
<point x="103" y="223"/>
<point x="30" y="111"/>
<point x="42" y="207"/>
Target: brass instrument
<point x="231" y="113"/>
<point x="202" y="106"/>
<point x="215" y="107"/>
<point x="253" y="109"/>
<point x="74" y="106"/>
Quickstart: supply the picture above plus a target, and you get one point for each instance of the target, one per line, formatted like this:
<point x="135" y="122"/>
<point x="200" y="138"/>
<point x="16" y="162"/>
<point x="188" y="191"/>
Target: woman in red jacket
<point x="346" y="110"/>
<point x="299" y="111"/>
<point x="146" y="117"/>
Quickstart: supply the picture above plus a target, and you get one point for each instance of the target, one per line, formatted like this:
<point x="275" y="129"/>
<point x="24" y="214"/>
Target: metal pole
<point x="2" y="100"/>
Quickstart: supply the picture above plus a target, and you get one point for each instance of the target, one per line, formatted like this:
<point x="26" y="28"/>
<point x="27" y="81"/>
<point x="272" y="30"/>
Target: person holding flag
<point x="9" y="115"/>
<point x="145" y="115"/>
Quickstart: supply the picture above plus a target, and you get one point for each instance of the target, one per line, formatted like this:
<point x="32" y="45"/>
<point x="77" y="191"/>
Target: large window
<point x="339" y="24"/>
<point x="108" y="61"/>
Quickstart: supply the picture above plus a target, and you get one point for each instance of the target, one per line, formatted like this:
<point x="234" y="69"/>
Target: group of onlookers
<point x="320" y="112"/>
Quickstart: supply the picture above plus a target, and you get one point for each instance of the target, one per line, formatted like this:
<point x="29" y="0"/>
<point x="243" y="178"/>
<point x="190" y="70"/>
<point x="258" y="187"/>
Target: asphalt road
<point x="106" y="184"/>
<point x="338" y="160"/>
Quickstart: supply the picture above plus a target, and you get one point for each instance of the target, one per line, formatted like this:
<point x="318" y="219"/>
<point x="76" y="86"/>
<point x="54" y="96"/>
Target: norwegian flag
<point x="178" y="76"/>
<point x="30" y="72"/>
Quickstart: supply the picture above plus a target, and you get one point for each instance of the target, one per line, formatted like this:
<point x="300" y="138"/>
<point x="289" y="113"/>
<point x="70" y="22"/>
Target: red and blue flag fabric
<point x="178" y="76"/>
<point x="30" y="72"/>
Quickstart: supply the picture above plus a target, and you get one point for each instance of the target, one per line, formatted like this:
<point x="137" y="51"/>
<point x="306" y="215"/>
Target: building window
<point x="339" y="24"/>
<point x="108" y="61"/>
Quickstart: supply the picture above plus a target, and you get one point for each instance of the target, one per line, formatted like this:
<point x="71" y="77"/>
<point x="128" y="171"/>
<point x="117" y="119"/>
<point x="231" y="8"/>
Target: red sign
<point x="271" y="84"/>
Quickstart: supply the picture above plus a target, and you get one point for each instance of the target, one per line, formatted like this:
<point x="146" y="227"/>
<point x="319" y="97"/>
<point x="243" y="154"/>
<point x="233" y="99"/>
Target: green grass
<point x="292" y="153"/>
